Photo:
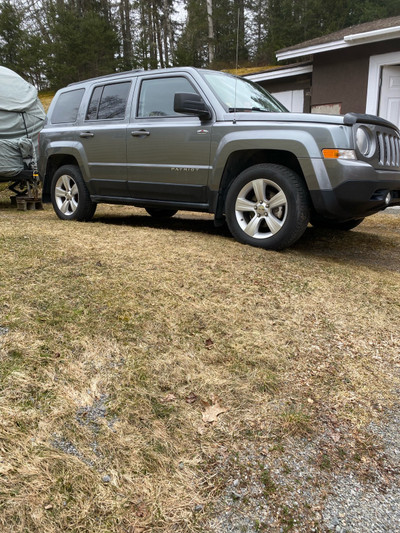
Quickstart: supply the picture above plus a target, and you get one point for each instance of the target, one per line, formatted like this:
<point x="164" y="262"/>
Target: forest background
<point x="54" y="42"/>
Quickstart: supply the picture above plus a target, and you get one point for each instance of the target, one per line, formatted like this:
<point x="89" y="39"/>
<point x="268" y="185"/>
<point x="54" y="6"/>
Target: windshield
<point x="238" y="94"/>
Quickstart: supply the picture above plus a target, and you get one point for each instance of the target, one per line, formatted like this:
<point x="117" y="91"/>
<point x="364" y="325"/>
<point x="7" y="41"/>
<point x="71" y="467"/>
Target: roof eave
<point x="373" y="36"/>
<point x="348" y="41"/>
<point x="311" y="50"/>
<point x="275" y="74"/>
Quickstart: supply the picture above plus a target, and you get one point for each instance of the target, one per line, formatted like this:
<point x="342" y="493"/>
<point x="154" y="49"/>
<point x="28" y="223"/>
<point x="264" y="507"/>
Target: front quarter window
<point x="238" y="94"/>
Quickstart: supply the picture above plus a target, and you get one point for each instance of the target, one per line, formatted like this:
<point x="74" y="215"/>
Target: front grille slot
<point x="388" y="149"/>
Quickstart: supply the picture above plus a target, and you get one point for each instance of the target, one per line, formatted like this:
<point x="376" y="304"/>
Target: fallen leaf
<point x="168" y="398"/>
<point x="191" y="398"/>
<point x="212" y="412"/>
<point x="209" y="343"/>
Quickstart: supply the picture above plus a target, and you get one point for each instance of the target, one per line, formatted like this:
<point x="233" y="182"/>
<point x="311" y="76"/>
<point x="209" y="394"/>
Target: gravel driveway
<point x="298" y="489"/>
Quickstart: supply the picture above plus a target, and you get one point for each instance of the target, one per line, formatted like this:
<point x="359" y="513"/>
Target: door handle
<point x="140" y="133"/>
<point x="86" y="134"/>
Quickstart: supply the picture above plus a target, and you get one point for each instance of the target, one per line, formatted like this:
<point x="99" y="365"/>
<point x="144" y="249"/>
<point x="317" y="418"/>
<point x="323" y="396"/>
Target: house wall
<point x="341" y="76"/>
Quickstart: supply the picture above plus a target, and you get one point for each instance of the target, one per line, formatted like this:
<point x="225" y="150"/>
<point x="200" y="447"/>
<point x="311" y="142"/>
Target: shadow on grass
<point x="373" y="247"/>
<point x="357" y="247"/>
<point x="176" y="223"/>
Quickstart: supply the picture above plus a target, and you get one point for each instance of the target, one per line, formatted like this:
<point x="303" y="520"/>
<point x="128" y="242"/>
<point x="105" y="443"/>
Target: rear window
<point x="108" y="102"/>
<point x="67" y="106"/>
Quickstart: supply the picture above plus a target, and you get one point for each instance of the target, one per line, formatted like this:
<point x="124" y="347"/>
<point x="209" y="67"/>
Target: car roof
<point x="129" y="73"/>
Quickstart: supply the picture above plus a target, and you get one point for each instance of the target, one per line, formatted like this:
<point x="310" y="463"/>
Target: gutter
<point x="283" y="73"/>
<point x="383" y="34"/>
<point x="372" y="36"/>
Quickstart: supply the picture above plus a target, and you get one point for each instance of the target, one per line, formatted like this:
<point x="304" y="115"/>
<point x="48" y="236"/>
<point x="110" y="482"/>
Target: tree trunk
<point x="167" y="32"/>
<point x="126" y="34"/>
<point x="157" y="34"/>
<point x="211" y="45"/>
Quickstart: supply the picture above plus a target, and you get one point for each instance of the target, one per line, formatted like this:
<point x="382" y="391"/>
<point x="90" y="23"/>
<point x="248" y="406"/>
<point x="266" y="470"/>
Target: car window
<point x="108" y="102"/>
<point x="67" y="106"/>
<point x="239" y="94"/>
<point x="157" y="96"/>
<point x="94" y="104"/>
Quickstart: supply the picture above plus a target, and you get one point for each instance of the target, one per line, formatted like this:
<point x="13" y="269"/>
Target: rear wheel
<point x="69" y="195"/>
<point x="267" y="206"/>
<point x="160" y="212"/>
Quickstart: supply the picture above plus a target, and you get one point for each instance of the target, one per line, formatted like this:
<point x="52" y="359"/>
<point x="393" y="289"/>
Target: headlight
<point x="365" y="141"/>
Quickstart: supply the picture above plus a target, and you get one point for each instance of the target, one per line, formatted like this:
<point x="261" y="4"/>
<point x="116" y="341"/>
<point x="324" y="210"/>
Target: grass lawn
<point x="135" y="354"/>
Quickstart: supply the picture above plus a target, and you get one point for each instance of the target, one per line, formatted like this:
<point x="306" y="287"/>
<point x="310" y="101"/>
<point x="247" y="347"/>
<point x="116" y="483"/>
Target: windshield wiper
<point x="247" y="109"/>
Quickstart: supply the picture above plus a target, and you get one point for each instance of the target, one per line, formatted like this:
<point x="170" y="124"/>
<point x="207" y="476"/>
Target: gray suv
<point x="207" y="141"/>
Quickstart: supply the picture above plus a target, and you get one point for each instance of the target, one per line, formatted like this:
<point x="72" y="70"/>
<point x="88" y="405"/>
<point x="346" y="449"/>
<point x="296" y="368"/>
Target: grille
<point x="388" y="149"/>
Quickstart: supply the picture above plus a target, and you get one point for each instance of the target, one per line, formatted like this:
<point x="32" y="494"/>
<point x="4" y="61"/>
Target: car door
<point x="167" y="152"/>
<point x="103" y="136"/>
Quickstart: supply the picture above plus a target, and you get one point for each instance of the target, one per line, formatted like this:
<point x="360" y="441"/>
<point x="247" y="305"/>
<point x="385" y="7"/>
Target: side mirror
<point x="191" y="104"/>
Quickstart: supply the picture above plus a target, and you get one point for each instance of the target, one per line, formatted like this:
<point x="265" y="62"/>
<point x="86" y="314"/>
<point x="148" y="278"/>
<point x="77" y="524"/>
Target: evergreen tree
<point x="84" y="44"/>
<point x="12" y="37"/>
<point x="282" y="23"/>
<point x="54" y="42"/>
<point x="192" y="46"/>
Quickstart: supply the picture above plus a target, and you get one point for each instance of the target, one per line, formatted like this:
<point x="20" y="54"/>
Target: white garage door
<point x="389" y="104"/>
<point x="293" y="100"/>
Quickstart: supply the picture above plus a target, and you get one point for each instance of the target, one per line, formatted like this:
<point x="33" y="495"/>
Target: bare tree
<point x="210" y="31"/>
<point x="126" y="33"/>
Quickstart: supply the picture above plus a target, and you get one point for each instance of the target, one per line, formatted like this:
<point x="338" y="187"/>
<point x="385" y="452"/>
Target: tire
<point x="320" y="222"/>
<point x="69" y="195"/>
<point x="160" y="212"/>
<point x="267" y="206"/>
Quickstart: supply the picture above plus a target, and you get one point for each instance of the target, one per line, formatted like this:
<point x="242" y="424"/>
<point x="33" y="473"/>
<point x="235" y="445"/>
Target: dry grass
<point x="124" y="332"/>
<point x="46" y="98"/>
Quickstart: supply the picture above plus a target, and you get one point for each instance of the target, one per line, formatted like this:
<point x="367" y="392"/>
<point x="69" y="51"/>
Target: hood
<point x="314" y="118"/>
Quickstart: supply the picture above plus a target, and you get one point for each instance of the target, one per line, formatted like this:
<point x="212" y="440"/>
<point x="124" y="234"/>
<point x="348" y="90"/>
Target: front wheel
<point x="69" y="195"/>
<point x="267" y="206"/>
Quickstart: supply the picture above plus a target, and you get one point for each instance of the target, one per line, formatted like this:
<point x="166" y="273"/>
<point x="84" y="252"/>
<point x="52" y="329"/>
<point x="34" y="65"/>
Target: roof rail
<point x="107" y="76"/>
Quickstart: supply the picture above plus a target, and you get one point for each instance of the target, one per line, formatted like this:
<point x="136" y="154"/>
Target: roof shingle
<point x="338" y="35"/>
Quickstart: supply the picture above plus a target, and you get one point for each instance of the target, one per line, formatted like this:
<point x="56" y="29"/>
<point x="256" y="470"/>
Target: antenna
<point x="237" y="64"/>
<point x="237" y="41"/>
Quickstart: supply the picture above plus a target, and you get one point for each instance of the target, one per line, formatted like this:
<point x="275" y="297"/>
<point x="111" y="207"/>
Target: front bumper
<point x="358" y="190"/>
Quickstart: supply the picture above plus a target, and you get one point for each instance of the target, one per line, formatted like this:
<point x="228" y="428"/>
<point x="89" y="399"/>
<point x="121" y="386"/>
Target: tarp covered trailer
<point x="21" y="119"/>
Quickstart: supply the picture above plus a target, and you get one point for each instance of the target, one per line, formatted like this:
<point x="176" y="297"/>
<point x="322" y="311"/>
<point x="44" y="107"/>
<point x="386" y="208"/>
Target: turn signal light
<point x="335" y="153"/>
